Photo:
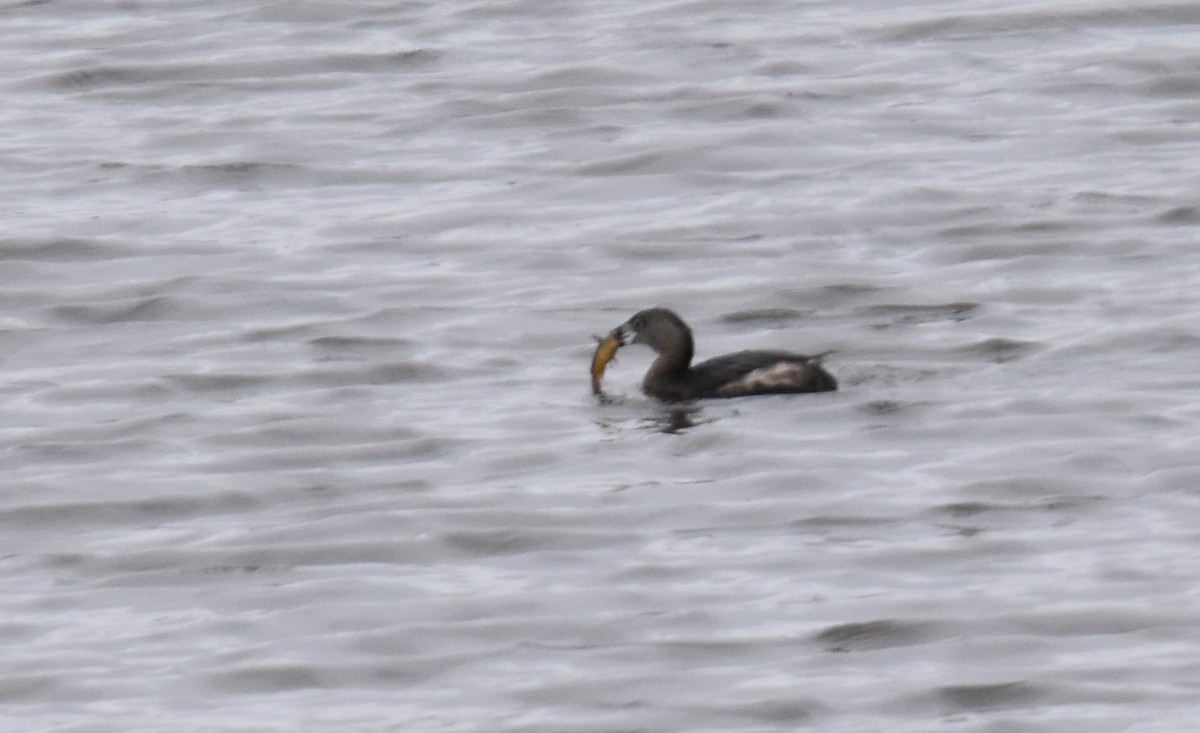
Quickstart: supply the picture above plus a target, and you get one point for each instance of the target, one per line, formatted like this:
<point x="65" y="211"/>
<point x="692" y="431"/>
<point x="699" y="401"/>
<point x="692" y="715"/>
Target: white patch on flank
<point x="781" y="374"/>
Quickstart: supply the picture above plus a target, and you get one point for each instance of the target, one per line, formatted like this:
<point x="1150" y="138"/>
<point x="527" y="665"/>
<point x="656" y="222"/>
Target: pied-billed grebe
<point x="672" y="376"/>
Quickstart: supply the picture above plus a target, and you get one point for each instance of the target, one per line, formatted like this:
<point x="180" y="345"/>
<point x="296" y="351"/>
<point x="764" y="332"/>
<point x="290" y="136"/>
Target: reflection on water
<point x="296" y="299"/>
<point x="616" y="414"/>
<point x="675" y="419"/>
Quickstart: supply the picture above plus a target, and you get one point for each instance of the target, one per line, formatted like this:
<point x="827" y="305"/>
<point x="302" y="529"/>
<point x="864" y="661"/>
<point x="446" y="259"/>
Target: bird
<point x="673" y="378"/>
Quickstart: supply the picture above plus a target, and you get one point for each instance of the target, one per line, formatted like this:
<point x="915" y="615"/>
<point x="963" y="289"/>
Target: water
<point x="298" y="301"/>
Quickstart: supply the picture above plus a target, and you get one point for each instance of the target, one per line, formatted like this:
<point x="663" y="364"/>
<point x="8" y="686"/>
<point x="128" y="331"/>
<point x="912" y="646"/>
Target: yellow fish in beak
<point x="605" y="351"/>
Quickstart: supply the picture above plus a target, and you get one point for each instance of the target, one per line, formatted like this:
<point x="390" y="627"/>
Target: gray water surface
<point x="297" y="308"/>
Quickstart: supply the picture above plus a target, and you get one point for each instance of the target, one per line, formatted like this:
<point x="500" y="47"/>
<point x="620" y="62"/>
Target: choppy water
<point x="297" y="311"/>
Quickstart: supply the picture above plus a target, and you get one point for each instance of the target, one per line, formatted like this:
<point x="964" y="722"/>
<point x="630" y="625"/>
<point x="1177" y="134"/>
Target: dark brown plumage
<point x="672" y="376"/>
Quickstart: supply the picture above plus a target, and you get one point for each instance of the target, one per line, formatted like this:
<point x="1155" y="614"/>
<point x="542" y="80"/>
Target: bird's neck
<point x="673" y="360"/>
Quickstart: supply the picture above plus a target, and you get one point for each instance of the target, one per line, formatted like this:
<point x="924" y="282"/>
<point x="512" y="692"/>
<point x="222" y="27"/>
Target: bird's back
<point x="757" y="372"/>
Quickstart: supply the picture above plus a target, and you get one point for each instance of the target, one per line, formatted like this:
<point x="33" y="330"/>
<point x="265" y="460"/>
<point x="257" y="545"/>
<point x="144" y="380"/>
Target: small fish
<point x="606" y="349"/>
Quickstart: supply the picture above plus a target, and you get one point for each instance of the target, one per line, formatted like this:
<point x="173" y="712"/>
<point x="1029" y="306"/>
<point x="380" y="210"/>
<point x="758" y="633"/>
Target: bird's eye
<point x="638" y="322"/>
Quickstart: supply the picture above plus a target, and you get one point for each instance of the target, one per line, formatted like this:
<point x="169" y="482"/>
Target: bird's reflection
<point x="674" y="419"/>
<point x="651" y="415"/>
